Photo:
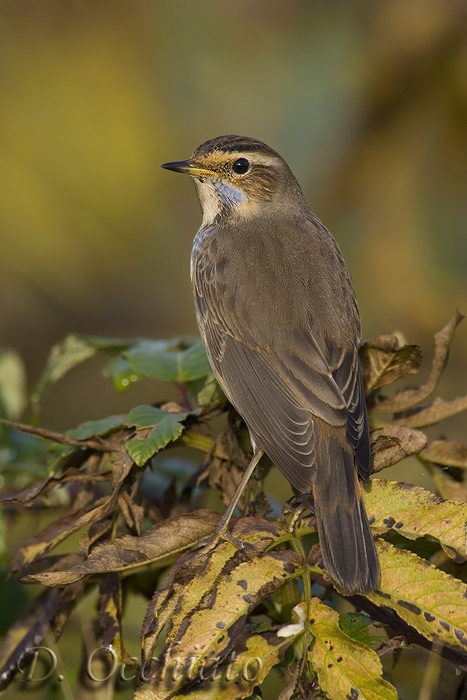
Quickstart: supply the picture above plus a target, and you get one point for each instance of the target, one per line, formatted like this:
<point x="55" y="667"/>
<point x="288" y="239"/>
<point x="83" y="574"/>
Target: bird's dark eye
<point x="240" y="166"/>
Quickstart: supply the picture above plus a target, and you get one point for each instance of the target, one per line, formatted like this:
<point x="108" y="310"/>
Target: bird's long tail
<point x="347" y="545"/>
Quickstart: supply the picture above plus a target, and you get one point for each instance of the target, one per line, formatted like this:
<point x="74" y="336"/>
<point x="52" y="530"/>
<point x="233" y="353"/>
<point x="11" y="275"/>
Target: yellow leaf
<point x="415" y="512"/>
<point x="428" y="599"/>
<point x="345" y="668"/>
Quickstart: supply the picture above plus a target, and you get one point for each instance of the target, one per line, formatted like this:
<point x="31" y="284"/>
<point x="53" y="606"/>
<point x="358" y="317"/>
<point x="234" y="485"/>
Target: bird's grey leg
<point x="221" y="532"/>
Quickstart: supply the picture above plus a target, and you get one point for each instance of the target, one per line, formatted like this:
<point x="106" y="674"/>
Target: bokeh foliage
<point x="367" y="102"/>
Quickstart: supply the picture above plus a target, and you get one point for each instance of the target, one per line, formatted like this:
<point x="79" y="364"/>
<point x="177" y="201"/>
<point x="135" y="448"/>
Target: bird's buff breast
<point x="246" y="275"/>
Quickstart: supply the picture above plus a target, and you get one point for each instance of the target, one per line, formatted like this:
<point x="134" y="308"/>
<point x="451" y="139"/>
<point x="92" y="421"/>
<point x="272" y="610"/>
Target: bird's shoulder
<point x="276" y="272"/>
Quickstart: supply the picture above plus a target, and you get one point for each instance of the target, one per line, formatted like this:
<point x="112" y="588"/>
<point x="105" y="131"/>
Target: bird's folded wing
<point x="279" y="382"/>
<point x="278" y="398"/>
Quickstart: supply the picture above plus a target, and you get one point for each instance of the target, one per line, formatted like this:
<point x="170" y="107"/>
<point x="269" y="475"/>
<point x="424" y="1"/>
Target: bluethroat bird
<point x="278" y="316"/>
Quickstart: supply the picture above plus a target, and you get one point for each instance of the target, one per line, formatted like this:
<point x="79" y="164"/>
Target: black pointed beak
<point x="185" y="166"/>
<point x="180" y="166"/>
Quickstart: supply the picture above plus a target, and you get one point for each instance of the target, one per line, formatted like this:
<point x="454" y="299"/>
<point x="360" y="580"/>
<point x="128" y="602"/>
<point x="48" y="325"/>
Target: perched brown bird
<point x="277" y="313"/>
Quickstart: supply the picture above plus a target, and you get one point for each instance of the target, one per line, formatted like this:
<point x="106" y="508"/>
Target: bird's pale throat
<point x="219" y="197"/>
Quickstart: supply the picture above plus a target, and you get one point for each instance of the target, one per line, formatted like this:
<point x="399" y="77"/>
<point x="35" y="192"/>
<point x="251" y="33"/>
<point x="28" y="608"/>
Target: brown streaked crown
<point x="233" y="144"/>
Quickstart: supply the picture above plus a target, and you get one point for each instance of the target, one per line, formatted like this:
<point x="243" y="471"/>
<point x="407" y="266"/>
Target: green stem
<point x="199" y="442"/>
<point x="298" y="546"/>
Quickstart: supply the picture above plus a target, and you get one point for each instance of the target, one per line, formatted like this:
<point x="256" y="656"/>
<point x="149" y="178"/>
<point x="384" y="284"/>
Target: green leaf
<point x="211" y="393"/>
<point x="143" y="416"/>
<point x="70" y="352"/>
<point x="121" y="373"/>
<point x="95" y="427"/>
<point x="166" y="428"/>
<point x="12" y="384"/>
<point x="141" y="450"/>
<point x="192" y="363"/>
<point x="345" y="667"/>
<point x="169" y="361"/>
<point x="153" y="358"/>
<point x="356" y="625"/>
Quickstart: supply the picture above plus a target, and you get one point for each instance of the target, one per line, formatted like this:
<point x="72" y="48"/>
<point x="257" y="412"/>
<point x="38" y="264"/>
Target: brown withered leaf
<point x="409" y="397"/>
<point x="28" y="496"/>
<point x="59" y="530"/>
<point x="54" y="562"/>
<point x="416" y="512"/>
<point x="383" y="361"/>
<point x="437" y="411"/>
<point x="393" y="443"/>
<point x="121" y="467"/>
<point x="226" y="467"/>
<point x="94" y="533"/>
<point x="448" y="488"/>
<point x="132" y="511"/>
<point x="49" y="610"/>
<point x="161" y="608"/>
<point x="182" y="589"/>
<point x="56" y="532"/>
<point x="159" y="546"/>
<point x="446" y="453"/>
<point x="109" y="633"/>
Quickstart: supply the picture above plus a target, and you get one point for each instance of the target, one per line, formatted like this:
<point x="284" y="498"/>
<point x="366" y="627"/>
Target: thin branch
<point x="59" y="437"/>
<point x="391" y="644"/>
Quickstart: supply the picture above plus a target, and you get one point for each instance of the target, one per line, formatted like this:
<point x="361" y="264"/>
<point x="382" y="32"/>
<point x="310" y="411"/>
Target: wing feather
<point x="279" y="425"/>
<point x="279" y="380"/>
<point x="348" y="376"/>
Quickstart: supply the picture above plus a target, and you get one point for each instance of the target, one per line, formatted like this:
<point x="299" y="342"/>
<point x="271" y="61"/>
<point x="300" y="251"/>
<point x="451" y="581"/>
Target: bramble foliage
<point x="204" y="611"/>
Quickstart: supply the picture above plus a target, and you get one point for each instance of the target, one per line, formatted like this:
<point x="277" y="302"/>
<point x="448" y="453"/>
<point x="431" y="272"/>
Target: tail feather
<point x="345" y="537"/>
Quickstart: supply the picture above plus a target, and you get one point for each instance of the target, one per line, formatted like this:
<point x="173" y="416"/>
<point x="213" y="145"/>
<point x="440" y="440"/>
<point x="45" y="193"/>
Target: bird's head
<point x="240" y="177"/>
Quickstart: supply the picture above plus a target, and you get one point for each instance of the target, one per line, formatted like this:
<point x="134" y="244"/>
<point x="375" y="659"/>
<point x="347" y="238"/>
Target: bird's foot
<point x="293" y="511"/>
<point x="221" y="534"/>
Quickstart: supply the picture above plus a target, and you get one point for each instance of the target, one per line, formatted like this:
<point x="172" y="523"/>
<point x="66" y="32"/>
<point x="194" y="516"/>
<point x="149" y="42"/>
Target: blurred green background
<point x="367" y="101"/>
